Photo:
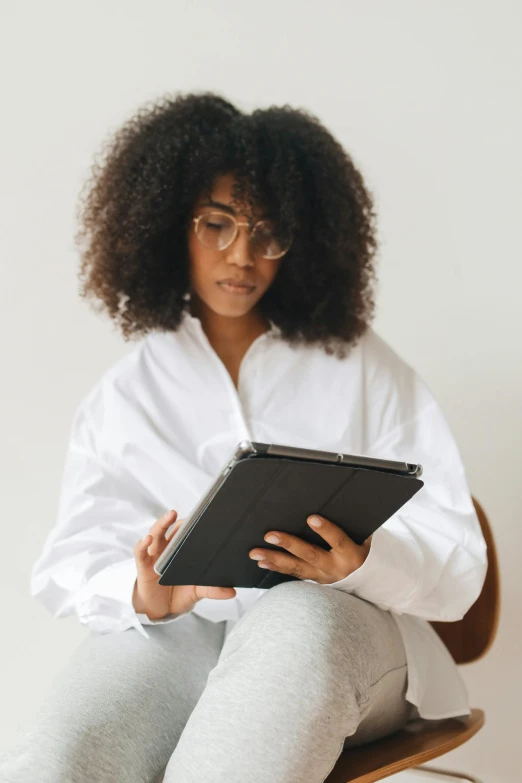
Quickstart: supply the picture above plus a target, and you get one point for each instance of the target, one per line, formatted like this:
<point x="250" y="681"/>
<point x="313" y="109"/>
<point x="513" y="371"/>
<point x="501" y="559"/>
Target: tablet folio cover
<point x="277" y="493"/>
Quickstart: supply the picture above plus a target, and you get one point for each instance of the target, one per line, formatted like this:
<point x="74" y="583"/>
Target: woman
<point x="239" y="249"/>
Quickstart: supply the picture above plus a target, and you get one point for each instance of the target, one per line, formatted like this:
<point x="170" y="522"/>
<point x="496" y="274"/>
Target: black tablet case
<point x="277" y="493"/>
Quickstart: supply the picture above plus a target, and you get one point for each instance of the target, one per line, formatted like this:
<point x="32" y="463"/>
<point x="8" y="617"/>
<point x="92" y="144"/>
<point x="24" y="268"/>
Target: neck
<point x="227" y="333"/>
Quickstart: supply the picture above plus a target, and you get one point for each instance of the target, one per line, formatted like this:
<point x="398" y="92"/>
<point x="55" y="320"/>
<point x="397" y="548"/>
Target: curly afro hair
<point x="135" y="209"/>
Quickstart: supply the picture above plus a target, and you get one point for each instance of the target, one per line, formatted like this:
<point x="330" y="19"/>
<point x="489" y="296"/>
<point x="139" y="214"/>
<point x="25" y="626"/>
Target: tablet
<point x="267" y="487"/>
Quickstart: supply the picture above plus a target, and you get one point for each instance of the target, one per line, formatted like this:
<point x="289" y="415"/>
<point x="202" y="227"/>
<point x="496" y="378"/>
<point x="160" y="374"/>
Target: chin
<point x="230" y="312"/>
<point x="233" y="308"/>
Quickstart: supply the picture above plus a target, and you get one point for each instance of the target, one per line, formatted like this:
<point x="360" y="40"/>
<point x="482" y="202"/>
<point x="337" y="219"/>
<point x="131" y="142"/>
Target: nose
<point x="241" y="252"/>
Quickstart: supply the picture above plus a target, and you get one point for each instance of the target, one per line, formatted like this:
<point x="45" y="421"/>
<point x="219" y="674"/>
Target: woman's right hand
<point x="153" y="599"/>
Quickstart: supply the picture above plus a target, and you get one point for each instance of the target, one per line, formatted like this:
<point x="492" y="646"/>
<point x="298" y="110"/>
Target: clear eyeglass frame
<point x="237" y="223"/>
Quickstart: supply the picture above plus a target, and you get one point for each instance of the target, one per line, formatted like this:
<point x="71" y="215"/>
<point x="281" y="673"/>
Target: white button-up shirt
<point x="158" y="427"/>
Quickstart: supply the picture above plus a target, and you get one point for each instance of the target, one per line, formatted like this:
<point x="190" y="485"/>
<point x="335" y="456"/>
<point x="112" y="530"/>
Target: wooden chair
<point x="467" y="640"/>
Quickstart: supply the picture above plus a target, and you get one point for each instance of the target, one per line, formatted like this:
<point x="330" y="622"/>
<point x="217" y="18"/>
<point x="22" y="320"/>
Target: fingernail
<point x="272" y="539"/>
<point x="315" y="521"/>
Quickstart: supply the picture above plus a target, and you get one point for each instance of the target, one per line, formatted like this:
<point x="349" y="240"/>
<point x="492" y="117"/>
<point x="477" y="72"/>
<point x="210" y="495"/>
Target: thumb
<point x="205" y="591"/>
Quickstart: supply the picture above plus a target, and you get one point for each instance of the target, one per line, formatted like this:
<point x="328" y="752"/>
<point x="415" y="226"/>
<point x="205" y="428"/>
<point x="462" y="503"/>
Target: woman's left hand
<point x="307" y="561"/>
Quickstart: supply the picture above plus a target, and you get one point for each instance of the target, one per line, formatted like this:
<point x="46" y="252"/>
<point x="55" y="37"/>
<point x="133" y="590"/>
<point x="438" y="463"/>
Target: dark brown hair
<point x="135" y="208"/>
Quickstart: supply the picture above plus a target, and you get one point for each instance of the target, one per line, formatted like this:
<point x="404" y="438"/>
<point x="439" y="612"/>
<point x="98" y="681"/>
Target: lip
<point x="236" y="287"/>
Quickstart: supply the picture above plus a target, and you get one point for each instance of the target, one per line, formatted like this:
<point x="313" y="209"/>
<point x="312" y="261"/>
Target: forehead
<point x="222" y="189"/>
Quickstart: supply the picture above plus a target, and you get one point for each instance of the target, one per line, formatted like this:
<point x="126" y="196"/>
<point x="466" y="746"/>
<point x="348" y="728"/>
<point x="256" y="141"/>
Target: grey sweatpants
<point x="307" y="670"/>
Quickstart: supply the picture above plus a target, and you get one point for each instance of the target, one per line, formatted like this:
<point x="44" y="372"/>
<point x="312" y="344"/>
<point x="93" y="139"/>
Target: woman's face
<point x="209" y="269"/>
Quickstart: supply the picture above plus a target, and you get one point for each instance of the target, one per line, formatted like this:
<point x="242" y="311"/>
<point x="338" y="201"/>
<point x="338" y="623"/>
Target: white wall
<point x="425" y="95"/>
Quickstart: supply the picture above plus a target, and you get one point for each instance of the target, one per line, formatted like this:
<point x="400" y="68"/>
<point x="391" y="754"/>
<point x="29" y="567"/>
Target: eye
<point x="215" y="222"/>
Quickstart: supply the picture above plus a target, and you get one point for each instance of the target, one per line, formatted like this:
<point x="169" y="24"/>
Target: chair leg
<point x="447" y="773"/>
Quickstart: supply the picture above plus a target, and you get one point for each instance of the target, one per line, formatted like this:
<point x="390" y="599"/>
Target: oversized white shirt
<point x="158" y="427"/>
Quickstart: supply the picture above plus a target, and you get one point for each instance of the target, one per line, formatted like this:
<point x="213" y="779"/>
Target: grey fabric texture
<point x="306" y="672"/>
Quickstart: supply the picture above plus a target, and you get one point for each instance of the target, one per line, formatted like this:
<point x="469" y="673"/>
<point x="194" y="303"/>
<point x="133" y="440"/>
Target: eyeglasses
<point x="217" y="231"/>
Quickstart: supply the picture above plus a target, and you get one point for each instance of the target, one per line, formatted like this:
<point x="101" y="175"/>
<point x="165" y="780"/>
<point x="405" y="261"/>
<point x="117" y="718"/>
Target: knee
<point x="299" y="633"/>
<point x="311" y="618"/>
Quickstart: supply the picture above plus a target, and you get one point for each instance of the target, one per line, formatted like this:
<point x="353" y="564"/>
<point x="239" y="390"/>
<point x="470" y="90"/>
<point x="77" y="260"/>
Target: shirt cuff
<point x="374" y="579"/>
<point x="357" y="577"/>
<point x="106" y="604"/>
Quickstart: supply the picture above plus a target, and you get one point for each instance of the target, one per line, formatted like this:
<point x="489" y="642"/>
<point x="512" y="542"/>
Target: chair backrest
<point x="470" y="638"/>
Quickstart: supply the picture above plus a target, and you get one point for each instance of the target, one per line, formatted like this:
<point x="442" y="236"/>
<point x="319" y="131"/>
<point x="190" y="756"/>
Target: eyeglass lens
<point x="216" y="230"/>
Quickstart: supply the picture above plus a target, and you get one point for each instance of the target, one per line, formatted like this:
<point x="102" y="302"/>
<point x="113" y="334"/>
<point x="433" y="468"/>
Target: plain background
<point x="426" y="98"/>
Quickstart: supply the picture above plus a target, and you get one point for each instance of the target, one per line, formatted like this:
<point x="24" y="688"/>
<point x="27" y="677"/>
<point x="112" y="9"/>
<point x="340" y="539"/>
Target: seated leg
<point x="303" y="670"/>
<point x="117" y="709"/>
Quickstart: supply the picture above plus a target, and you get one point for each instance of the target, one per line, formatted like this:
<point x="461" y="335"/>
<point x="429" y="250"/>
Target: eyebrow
<point x="226" y="207"/>
<point x="211" y="203"/>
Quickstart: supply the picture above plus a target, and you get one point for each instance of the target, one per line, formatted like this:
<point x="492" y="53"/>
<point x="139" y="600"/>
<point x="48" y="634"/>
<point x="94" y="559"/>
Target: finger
<point x="140" y="550"/>
<point x="144" y="561"/>
<point x="174" y="530"/>
<point x="287" y="564"/>
<point x="163" y="523"/>
<point x="158" y="531"/>
<point x="310" y="553"/>
<point x="332" y="534"/>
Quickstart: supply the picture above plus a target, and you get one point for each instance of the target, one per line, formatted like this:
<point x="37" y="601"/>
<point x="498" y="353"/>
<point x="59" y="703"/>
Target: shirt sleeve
<point x="87" y="564"/>
<point x="430" y="558"/>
